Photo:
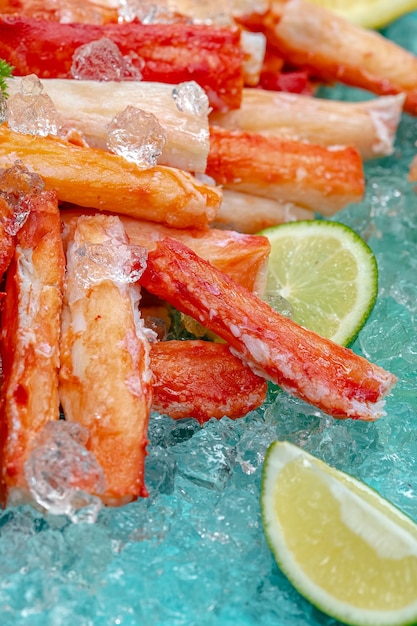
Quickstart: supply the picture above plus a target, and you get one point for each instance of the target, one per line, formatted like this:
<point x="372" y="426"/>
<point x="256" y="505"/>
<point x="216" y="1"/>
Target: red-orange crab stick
<point x="31" y="319"/>
<point x="328" y="376"/>
<point x="203" y="380"/>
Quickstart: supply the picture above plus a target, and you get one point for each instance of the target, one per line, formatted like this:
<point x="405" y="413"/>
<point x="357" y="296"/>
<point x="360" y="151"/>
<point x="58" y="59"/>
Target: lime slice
<point x="346" y="549"/>
<point x="326" y="272"/>
<point x="369" y="13"/>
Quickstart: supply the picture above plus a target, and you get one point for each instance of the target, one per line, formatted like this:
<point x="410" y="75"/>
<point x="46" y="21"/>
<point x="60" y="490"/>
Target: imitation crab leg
<point x="312" y="176"/>
<point x="369" y="126"/>
<point x="88" y="106"/>
<point x="333" y="49"/>
<point x="105" y="382"/>
<point x="29" y="340"/>
<point x="94" y="178"/>
<point x="242" y="257"/>
<point x="203" y="380"/>
<point x="328" y="376"/>
<point x="172" y="53"/>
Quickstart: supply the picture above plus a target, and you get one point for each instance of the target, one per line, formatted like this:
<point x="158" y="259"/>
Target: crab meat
<point x="29" y="340"/>
<point x="105" y="380"/>
<point x="328" y="376"/>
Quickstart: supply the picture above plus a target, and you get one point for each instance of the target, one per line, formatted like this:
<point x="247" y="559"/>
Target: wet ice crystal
<point x="17" y="186"/>
<point x="137" y="136"/>
<point x="96" y="262"/>
<point x="62" y="475"/>
<point x="102" y="60"/>
<point x="145" y="11"/>
<point x="191" y="98"/>
<point x="30" y="111"/>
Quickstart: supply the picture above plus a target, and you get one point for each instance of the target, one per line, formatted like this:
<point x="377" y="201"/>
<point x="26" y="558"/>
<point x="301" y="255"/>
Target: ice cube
<point x="102" y="60"/>
<point x="137" y="136"/>
<point x="145" y="11"/>
<point x="62" y="475"/>
<point x="30" y="111"/>
<point x="191" y="98"/>
<point x="98" y="262"/>
<point x="17" y="185"/>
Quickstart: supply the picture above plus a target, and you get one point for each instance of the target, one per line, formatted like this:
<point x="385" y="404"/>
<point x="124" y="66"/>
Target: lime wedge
<point x="343" y="547"/>
<point x="326" y="272"/>
<point x="369" y="13"/>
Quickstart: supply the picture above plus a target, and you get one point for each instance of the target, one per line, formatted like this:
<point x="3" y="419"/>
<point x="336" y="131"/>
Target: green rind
<point x="291" y="573"/>
<point x="273" y="234"/>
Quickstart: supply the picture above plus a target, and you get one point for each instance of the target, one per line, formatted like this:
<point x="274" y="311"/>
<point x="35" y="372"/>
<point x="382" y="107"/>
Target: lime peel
<point x="369" y="13"/>
<point x="326" y="272"/>
<point x="339" y="558"/>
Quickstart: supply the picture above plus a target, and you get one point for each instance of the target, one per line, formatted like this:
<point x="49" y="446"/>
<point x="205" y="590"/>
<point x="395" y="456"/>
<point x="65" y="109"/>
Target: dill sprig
<point x="5" y="72"/>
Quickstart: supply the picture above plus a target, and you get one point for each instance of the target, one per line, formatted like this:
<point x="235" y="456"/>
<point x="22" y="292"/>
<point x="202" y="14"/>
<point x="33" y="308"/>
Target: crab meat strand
<point x="328" y="376"/>
<point x="29" y="340"/>
<point x="168" y="53"/>
<point x="242" y="257"/>
<point x="105" y="381"/>
<point x="203" y="380"/>
<point x="94" y="178"/>
<point x="312" y="176"/>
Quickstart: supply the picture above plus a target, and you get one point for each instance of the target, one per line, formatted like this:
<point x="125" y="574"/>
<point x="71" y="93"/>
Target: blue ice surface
<point x="194" y="552"/>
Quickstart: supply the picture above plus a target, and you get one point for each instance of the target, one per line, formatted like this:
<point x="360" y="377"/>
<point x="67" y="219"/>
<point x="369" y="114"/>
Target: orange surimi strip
<point x="29" y="340"/>
<point x="94" y="178"/>
<point x="242" y="257"/>
<point x="203" y="380"/>
<point x="328" y="376"/>
<point x="314" y="177"/>
<point x="333" y="49"/>
<point x="105" y="377"/>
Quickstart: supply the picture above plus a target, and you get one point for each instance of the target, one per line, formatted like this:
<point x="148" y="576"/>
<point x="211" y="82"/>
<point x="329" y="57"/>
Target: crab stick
<point x="173" y="53"/>
<point x="333" y="49"/>
<point x="248" y="213"/>
<point x="312" y="176"/>
<point x="88" y="106"/>
<point x="328" y="376"/>
<point x="105" y="380"/>
<point x="94" y="178"/>
<point x="369" y="126"/>
<point x="203" y="380"/>
<point x="30" y="324"/>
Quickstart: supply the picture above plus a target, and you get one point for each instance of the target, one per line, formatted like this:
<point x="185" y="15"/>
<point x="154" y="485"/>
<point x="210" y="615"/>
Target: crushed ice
<point x="62" y="475"/>
<point x="17" y="186"/>
<point x="102" y="60"/>
<point x="145" y="11"/>
<point x="30" y="111"/>
<point x="137" y="136"/>
<point x="97" y="262"/>
<point x="191" y="98"/>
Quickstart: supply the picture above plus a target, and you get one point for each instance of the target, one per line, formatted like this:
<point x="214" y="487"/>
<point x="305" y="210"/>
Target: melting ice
<point x="17" y="185"/>
<point x="102" y="60"/>
<point x="146" y="11"/>
<point x="137" y="136"/>
<point x="30" y="111"/>
<point x="62" y="474"/>
<point x="191" y="98"/>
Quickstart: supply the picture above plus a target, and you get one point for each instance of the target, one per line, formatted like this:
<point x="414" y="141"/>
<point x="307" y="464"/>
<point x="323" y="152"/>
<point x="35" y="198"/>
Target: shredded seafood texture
<point x="105" y="380"/>
<point x="328" y="376"/>
<point x="204" y="380"/>
<point x="94" y="178"/>
<point x="30" y="322"/>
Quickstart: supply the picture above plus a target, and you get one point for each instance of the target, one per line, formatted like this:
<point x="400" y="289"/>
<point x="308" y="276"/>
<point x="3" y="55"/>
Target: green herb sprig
<point x="5" y="72"/>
